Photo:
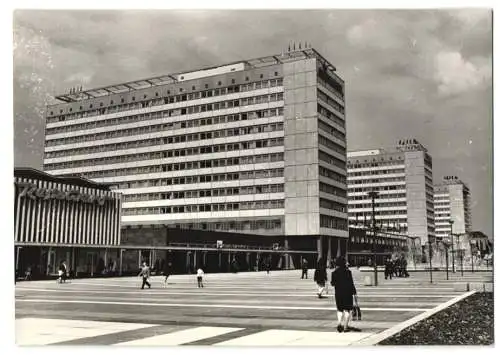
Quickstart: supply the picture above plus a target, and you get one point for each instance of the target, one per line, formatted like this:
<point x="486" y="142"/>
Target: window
<point x="261" y="76"/>
<point x="219" y="83"/>
<point x="275" y="73"/>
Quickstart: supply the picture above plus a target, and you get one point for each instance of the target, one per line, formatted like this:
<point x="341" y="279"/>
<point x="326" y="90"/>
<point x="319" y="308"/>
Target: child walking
<point x="199" y="277"/>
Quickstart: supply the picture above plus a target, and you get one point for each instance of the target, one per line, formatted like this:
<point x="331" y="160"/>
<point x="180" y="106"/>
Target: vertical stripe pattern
<point x="52" y="212"/>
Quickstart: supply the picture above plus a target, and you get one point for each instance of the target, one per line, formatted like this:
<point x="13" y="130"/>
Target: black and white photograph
<point x="295" y="177"/>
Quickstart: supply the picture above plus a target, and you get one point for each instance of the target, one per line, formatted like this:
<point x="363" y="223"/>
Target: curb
<point x="378" y="337"/>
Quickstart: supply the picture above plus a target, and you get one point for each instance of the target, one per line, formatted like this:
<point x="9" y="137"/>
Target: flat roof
<point x="288" y="56"/>
<point x="71" y="180"/>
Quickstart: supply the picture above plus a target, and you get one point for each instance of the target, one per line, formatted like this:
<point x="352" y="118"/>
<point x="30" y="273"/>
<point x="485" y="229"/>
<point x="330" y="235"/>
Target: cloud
<point x="472" y="17"/>
<point x="362" y="33"/>
<point x="82" y="77"/>
<point x="455" y="75"/>
<point x="394" y="64"/>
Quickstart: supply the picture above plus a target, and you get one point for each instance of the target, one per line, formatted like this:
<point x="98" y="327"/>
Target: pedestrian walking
<point x="388" y="268"/>
<point x="345" y="290"/>
<point x="404" y="267"/>
<point x="320" y="277"/>
<point x="167" y="272"/>
<point x="27" y="274"/>
<point x="62" y="272"/>
<point x="304" y="268"/>
<point x="199" y="277"/>
<point x="268" y="265"/>
<point x="145" y="273"/>
<point x="234" y="266"/>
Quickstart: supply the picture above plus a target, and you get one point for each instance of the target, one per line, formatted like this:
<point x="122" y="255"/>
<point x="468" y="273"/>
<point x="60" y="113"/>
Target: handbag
<point x="356" y="311"/>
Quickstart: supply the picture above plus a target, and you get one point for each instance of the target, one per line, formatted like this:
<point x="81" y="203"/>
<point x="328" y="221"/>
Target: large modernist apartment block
<point x="257" y="146"/>
<point x="403" y="178"/>
<point x="452" y="203"/>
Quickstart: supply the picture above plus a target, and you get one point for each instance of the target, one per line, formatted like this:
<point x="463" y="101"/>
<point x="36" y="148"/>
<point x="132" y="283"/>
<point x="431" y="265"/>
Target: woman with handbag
<point x="344" y="293"/>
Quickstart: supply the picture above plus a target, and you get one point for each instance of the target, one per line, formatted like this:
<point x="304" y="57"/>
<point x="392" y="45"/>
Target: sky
<point x="423" y="74"/>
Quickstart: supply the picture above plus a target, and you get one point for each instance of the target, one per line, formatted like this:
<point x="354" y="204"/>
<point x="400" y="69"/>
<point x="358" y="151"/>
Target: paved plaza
<point x="253" y="309"/>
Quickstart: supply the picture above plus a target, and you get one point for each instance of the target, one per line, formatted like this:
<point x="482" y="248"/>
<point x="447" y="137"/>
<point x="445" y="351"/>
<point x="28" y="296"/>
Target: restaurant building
<point x="67" y="219"/>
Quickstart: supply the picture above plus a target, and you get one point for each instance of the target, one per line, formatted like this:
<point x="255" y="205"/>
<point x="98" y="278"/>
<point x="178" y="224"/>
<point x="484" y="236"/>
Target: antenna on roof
<point x="293" y="45"/>
<point x="288" y="47"/>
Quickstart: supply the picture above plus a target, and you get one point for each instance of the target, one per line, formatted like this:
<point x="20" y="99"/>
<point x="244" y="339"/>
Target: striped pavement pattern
<point x="245" y="309"/>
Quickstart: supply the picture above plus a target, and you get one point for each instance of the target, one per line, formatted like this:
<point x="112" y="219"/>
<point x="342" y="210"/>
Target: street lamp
<point x="373" y="195"/>
<point x="446" y="244"/>
<point x="461" y="255"/>
<point x="430" y="258"/>
<point x="471" y="242"/>
<point x="452" y="248"/>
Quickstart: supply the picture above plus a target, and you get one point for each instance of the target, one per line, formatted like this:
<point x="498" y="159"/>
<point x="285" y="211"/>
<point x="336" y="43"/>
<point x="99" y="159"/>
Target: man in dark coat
<point x="404" y="267"/>
<point x="320" y="277"/>
<point x="344" y="293"/>
<point x="304" y="268"/>
<point x="388" y="268"/>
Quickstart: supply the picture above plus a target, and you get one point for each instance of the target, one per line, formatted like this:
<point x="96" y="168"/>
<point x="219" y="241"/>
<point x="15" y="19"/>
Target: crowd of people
<point x="396" y="267"/>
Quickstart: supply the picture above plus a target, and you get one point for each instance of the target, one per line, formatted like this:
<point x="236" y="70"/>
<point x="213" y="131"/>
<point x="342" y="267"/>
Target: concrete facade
<point x="416" y="197"/>
<point x="403" y="178"/>
<point x="301" y="148"/>
<point x="255" y="147"/>
<point x="452" y="199"/>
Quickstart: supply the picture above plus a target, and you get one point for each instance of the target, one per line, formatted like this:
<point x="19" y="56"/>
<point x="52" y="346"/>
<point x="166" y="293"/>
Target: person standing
<point x="304" y="268"/>
<point x="345" y="290"/>
<point x="199" y="277"/>
<point x="388" y="268"/>
<point x="145" y="273"/>
<point x="404" y="267"/>
<point x="320" y="277"/>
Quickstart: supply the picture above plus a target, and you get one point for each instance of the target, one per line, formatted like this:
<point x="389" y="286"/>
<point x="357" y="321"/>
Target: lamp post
<point x="446" y="246"/>
<point x="374" y="194"/>
<point x="461" y="255"/>
<point x="452" y="248"/>
<point x="471" y="256"/>
<point x="430" y="259"/>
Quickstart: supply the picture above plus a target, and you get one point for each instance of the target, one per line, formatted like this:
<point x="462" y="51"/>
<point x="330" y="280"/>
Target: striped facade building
<point x="402" y="176"/>
<point x="56" y="219"/>
<point x="452" y="205"/>
<point x="255" y="148"/>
